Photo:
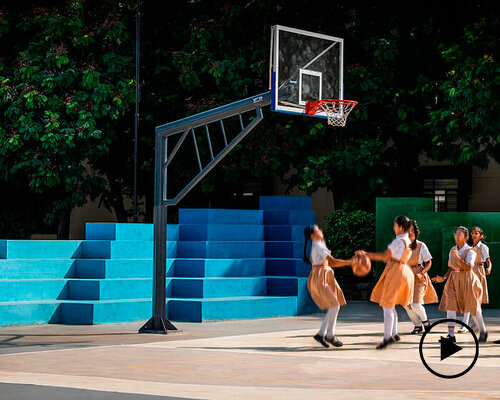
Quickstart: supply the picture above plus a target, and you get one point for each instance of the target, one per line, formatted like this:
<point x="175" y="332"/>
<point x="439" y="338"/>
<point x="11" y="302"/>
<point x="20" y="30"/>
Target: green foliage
<point x="346" y="232"/>
<point x="465" y="122"/>
<point x="67" y="79"/>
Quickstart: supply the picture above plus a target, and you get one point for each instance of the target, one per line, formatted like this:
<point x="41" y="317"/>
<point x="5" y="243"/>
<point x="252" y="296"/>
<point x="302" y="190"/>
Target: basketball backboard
<point x="304" y="66"/>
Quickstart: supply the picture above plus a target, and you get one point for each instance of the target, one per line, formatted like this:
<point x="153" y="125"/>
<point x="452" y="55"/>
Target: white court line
<point x="223" y="392"/>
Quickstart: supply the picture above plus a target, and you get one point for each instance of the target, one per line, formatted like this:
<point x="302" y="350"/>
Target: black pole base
<point x="163" y="327"/>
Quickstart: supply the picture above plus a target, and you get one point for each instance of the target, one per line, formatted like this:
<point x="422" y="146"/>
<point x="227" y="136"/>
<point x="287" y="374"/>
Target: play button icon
<point x="448" y="348"/>
<point x="444" y="357"/>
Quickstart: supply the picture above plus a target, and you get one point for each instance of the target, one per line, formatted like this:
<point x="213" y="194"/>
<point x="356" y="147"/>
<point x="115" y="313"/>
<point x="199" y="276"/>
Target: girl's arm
<point x="336" y="262"/>
<point x="458" y="262"/>
<point x="440" y="279"/>
<point x="489" y="265"/>
<point x="427" y="266"/>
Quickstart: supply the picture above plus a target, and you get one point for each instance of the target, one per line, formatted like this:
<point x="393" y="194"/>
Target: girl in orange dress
<point x="482" y="266"/>
<point x="423" y="292"/>
<point x="463" y="291"/>
<point x="395" y="285"/>
<point x="322" y="285"/>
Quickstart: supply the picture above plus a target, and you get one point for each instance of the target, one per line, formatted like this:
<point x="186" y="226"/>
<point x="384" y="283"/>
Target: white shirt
<point x="471" y="255"/>
<point x="425" y="254"/>
<point x="485" y="251"/>
<point x="319" y="252"/>
<point x="398" y="245"/>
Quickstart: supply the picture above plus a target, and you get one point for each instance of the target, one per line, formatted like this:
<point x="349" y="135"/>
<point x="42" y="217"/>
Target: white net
<point x="337" y="111"/>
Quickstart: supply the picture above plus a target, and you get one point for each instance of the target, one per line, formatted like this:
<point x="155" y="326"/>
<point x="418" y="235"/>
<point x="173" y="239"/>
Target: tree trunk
<point x="63" y="226"/>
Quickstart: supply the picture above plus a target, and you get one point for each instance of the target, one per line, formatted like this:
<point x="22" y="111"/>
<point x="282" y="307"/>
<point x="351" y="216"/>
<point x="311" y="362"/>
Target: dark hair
<point x="308" y="231"/>
<point x="404" y="222"/>
<point x="413" y="245"/>
<point x="464" y="230"/>
<point x="475" y="228"/>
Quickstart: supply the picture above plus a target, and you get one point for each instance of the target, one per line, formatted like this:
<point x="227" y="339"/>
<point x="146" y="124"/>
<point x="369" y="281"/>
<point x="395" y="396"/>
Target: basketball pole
<point x="137" y="88"/>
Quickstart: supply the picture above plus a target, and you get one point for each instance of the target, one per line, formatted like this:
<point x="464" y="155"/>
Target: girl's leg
<point x="395" y="322"/>
<point x="420" y="311"/>
<point x="332" y="321"/>
<point x="324" y="325"/>
<point x="451" y="325"/>
<point x="478" y="319"/>
<point x="413" y="316"/>
<point x="466" y="317"/>
<point x="388" y="323"/>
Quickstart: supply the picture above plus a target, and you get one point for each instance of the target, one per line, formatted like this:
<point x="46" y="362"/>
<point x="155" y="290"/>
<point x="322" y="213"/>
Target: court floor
<point x="269" y="359"/>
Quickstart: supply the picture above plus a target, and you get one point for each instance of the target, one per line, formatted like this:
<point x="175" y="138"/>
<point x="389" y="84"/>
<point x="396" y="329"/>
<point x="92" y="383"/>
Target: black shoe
<point x="427" y="326"/>
<point x="334" y="342"/>
<point x="416" y="330"/>
<point x="452" y="339"/>
<point x="397" y="338"/>
<point x="320" y="339"/>
<point x="483" y="337"/>
<point x="385" y="343"/>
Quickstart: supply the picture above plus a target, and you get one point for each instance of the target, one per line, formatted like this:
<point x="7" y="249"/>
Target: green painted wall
<point x="436" y="230"/>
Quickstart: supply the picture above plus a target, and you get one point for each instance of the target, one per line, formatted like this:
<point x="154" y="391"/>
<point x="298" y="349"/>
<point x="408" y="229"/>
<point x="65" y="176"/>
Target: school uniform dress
<point x="322" y="285"/>
<point x="397" y="281"/>
<point x="483" y="253"/>
<point x="463" y="291"/>
<point x="423" y="292"/>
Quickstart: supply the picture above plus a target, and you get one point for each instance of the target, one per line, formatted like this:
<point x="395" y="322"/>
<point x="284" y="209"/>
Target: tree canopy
<point x="426" y="79"/>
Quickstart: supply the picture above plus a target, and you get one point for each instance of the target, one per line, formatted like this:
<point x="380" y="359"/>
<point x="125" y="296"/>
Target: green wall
<point x="436" y="230"/>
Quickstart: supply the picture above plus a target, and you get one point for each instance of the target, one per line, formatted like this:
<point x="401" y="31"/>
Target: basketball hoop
<point x="336" y="110"/>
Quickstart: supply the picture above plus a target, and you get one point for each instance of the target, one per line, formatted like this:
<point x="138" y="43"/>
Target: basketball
<point x="361" y="265"/>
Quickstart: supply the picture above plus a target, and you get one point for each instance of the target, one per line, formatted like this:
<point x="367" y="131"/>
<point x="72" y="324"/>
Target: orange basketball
<point x="361" y="265"/>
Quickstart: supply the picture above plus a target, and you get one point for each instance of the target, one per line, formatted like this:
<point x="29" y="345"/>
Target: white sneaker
<point x="462" y="329"/>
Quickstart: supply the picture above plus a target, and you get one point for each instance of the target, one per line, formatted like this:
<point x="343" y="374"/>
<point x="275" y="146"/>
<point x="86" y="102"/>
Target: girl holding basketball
<point x="396" y="283"/>
<point x="482" y="266"/>
<point x="322" y="285"/>
<point x="463" y="291"/>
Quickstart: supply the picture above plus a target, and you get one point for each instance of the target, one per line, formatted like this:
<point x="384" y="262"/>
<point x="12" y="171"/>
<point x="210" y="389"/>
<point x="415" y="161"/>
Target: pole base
<point x="162" y="327"/>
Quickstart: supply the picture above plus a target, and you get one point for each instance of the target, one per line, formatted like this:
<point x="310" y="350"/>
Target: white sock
<point x="324" y="324"/>
<point x="451" y="325"/>
<point x="420" y="311"/>
<point x="395" y="324"/>
<point x="465" y="319"/>
<point x="332" y="321"/>
<point x="478" y="319"/>
<point x="388" y="323"/>
<point x="413" y="316"/>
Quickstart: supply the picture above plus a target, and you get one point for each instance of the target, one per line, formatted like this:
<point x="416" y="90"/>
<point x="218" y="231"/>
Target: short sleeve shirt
<point x="485" y="251"/>
<point x="425" y="254"/>
<point x="398" y="245"/>
<point x="319" y="252"/>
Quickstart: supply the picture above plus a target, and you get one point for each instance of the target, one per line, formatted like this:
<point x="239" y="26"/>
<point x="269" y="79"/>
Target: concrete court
<point x="267" y="359"/>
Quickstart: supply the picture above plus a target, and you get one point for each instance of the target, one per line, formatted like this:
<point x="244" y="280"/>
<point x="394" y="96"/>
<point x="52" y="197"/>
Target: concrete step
<point x="221" y="232"/>
<point x="197" y="310"/>
<point x="218" y="287"/>
<point x="219" y="267"/>
<point x="125" y="231"/>
<point x="33" y="289"/>
<point x="105" y="311"/>
<point x="285" y="203"/>
<point x="36" y="268"/>
<point x="220" y="216"/>
<point x="29" y="312"/>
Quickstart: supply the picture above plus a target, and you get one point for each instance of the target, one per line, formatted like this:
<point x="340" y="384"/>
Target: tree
<point x="65" y="82"/>
<point x="464" y="121"/>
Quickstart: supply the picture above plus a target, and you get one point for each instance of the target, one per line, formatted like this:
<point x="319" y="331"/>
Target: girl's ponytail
<point x="308" y="231"/>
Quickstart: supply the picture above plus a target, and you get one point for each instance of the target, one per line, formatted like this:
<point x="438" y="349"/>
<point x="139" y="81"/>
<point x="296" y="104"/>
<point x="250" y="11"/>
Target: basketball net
<point x="337" y="111"/>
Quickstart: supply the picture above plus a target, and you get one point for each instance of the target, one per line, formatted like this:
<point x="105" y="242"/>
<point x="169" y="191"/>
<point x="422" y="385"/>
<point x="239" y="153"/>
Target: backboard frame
<point x="299" y="109"/>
